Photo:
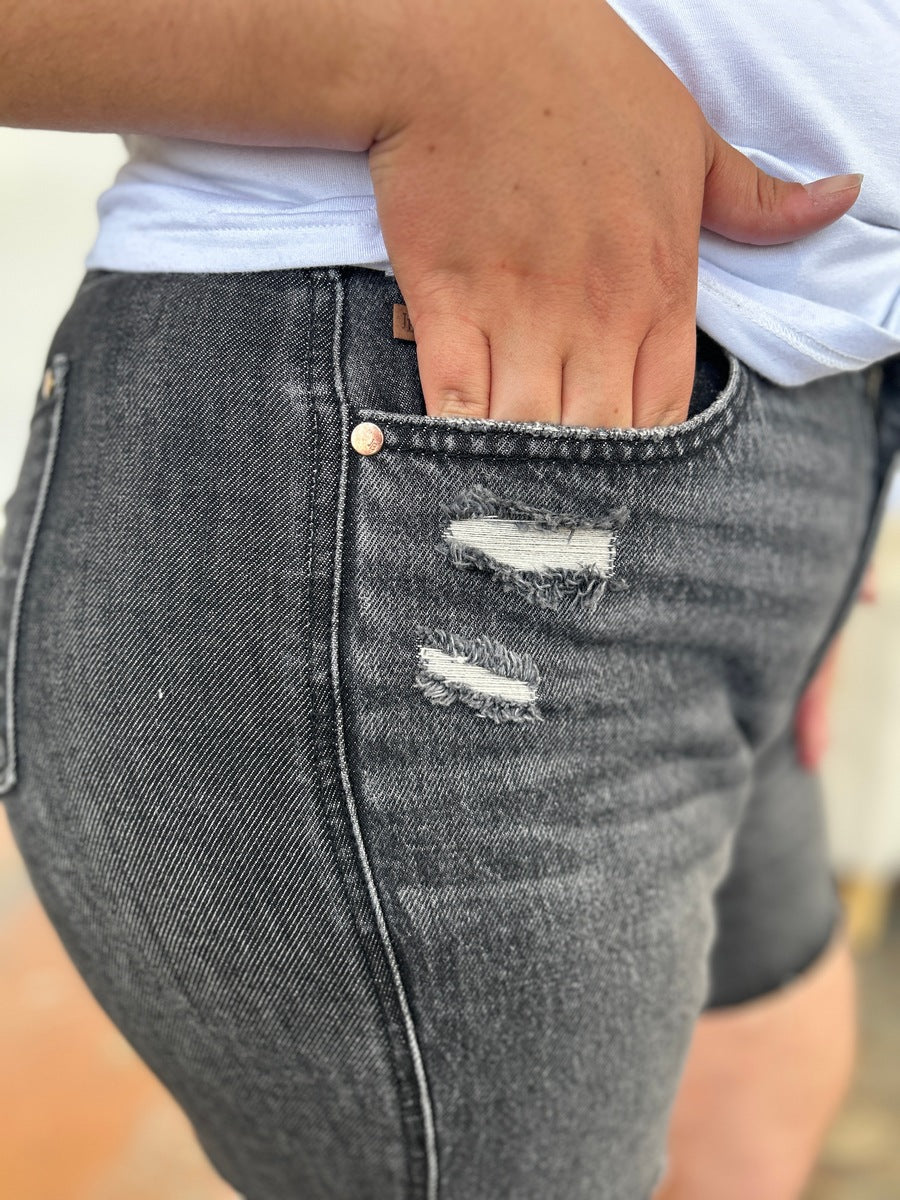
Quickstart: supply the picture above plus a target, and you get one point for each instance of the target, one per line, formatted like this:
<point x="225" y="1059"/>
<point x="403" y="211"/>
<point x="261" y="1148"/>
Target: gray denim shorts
<point x="404" y="787"/>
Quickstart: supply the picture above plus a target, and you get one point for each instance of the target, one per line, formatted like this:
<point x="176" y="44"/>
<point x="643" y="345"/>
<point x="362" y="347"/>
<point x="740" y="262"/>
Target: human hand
<point x="541" y="187"/>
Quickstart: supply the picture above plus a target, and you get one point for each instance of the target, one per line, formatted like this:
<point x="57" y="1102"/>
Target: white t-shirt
<point x="804" y="89"/>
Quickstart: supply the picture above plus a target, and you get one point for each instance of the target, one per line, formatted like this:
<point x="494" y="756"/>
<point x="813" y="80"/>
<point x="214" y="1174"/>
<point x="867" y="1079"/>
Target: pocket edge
<point x="538" y="440"/>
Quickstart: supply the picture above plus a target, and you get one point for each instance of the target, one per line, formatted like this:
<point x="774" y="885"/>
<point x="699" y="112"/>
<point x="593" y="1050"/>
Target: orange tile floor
<point x="81" y="1117"/>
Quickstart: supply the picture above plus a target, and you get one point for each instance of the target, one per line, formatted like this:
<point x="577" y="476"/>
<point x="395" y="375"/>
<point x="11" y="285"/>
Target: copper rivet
<point x="366" y="438"/>
<point x="47" y="385"/>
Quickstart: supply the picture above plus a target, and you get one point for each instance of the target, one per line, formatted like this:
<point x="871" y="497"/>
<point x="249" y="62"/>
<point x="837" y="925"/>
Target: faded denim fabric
<point x="386" y="800"/>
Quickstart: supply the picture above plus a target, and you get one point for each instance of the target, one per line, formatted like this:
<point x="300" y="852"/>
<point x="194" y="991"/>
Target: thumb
<point x="743" y="203"/>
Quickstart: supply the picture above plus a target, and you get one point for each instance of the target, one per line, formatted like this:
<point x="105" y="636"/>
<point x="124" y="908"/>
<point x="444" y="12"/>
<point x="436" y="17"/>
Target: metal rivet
<point x="366" y="438"/>
<point x="47" y="385"/>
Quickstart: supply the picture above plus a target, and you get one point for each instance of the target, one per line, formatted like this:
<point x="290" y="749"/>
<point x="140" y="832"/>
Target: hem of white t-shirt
<point x="782" y="351"/>
<point x="235" y="249"/>
<point x="786" y="353"/>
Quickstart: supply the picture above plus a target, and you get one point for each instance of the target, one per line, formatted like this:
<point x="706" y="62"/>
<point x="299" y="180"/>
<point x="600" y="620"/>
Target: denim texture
<point x="405" y="809"/>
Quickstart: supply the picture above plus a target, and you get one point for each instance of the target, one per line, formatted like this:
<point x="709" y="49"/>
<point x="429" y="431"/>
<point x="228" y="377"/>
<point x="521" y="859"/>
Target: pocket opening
<point x="539" y="440"/>
<point x="376" y="380"/>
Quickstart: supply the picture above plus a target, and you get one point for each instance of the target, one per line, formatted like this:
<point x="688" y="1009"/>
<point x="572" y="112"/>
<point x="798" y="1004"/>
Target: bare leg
<point x="762" y="1084"/>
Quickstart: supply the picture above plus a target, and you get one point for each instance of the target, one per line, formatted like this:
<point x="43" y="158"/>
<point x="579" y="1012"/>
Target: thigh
<point x="379" y="781"/>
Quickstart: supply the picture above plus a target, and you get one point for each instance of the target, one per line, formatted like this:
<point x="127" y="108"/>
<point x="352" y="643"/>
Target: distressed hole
<point x="479" y="672"/>
<point x="528" y="547"/>
<point x="477" y="679"/>
<point x="548" y="557"/>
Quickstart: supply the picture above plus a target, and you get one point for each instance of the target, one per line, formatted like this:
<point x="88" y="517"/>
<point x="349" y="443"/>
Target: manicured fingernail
<point x="831" y="184"/>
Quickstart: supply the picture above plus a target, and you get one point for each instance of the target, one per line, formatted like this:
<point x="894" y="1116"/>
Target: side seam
<point x="59" y="369"/>
<point x="431" y="1186"/>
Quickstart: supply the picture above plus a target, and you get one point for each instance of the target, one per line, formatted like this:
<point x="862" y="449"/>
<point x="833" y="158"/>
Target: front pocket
<point x="537" y="440"/>
<point x="23" y="511"/>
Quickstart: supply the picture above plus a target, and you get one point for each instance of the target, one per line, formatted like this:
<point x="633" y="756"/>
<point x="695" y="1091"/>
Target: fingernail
<point x="831" y="184"/>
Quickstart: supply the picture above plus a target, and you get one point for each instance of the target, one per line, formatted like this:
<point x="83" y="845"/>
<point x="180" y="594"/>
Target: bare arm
<point x="541" y="175"/>
<point x="266" y="72"/>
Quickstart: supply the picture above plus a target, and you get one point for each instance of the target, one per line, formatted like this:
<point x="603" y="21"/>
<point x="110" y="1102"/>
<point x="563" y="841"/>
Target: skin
<point x="553" y="276"/>
<point x="762" y="1084"/>
<point x="541" y="176"/>
<point x="763" y="1081"/>
<point x="541" y="179"/>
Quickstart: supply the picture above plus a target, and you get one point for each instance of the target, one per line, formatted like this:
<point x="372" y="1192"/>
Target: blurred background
<point x="81" y="1118"/>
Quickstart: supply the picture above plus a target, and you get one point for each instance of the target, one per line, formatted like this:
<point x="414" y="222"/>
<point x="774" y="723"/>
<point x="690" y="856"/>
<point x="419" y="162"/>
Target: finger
<point x="744" y="203"/>
<point x="526" y="377"/>
<point x="868" y="591"/>
<point x="598" y="372"/>
<point x="454" y="365"/>
<point x="664" y="372"/>
<point x="597" y="388"/>
<point x="811" y="733"/>
<point x="812" y="720"/>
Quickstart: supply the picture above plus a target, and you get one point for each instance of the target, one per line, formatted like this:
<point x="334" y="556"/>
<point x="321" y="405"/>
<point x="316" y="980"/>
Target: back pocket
<point x="23" y="511"/>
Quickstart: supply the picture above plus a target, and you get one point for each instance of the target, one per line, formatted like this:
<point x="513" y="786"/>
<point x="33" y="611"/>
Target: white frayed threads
<point x="445" y="667"/>
<point x="550" y="558"/>
<point x="527" y="547"/>
<point x="480" y="672"/>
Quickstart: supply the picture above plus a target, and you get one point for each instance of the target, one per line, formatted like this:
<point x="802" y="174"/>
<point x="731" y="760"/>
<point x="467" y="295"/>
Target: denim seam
<point x="315" y="721"/>
<point x="311" y="280"/>
<point x="60" y="367"/>
<point x="431" y="1185"/>
<point x="878" y="505"/>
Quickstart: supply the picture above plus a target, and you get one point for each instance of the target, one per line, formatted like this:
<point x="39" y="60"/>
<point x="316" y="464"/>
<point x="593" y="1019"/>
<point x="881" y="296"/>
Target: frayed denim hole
<point x="480" y="672"/>
<point x="550" y="558"/>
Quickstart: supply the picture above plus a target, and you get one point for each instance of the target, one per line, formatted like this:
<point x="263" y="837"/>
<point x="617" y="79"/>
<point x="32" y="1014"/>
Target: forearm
<point x="270" y="72"/>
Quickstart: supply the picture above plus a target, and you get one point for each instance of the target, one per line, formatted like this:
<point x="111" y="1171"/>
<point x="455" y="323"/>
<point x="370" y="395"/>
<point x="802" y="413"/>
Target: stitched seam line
<point x="60" y="368"/>
<point x="330" y="833"/>
<point x="412" y="1040"/>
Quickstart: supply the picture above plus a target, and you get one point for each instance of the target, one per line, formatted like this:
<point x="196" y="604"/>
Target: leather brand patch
<point x="402" y="325"/>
